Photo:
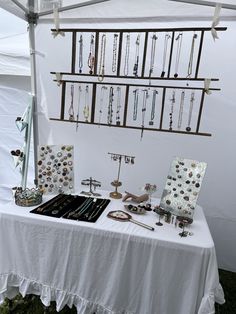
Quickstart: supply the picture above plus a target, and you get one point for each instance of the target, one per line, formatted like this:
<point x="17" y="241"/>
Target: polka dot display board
<point x="183" y="186"/>
<point x="55" y="168"/>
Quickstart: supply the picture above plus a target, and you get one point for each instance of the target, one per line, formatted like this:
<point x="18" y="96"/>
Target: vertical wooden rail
<point x="63" y="98"/>
<point x="126" y="104"/>
<point x="73" y="54"/>
<point x="144" y="54"/>
<point x="162" y="107"/>
<point x="200" y="111"/>
<point x="171" y="53"/>
<point x="119" y="54"/>
<point x="96" y="53"/>
<point x="199" y="54"/>
<point x="93" y="106"/>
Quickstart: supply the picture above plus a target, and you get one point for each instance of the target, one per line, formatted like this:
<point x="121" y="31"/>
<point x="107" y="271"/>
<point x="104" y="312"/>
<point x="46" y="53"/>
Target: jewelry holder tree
<point x="116" y="183"/>
<point x="93" y="184"/>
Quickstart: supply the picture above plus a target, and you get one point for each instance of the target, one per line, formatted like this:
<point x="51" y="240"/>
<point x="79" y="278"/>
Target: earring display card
<point x="55" y="168"/>
<point x="183" y="186"/>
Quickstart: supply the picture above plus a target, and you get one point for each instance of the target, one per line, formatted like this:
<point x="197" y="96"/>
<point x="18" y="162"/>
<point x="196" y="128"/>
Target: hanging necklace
<point x="181" y="108"/>
<point x="118" y="105"/>
<point x="114" y="53"/>
<point x="172" y="100"/>
<point x="103" y="88"/>
<point x="71" y="108"/>
<point x="188" y="128"/>
<point x="154" y="94"/>
<point x="152" y="58"/>
<point x="135" y="69"/>
<point x="144" y="107"/>
<point x="167" y="37"/>
<point x="79" y="99"/>
<point x="110" y="109"/>
<point x="127" y="48"/>
<point x="91" y="57"/>
<point x="135" y="111"/>
<point x="101" y="71"/>
<point x="190" y="63"/>
<point x="179" y="39"/>
<point x="80" y="53"/>
<point x="86" y="105"/>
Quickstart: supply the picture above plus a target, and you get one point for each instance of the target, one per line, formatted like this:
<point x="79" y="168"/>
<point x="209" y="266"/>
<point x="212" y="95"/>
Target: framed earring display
<point x="183" y="186"/>
<point x="55" y="168"/>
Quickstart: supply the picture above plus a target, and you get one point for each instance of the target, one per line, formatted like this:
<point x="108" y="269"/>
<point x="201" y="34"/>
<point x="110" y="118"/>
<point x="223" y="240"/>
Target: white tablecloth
<point x="109" y="266"/>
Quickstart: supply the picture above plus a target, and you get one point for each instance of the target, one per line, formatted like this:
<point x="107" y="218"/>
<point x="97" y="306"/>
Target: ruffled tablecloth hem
<point x="207" y="305"/>
<point x="12" y="284"/>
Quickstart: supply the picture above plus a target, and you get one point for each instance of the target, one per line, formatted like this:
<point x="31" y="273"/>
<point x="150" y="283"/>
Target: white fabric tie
<point x="58" y="78"/>
<point x="207" y="83"/>
<point x="57" y="23"/>
<point x="216" y="20"/>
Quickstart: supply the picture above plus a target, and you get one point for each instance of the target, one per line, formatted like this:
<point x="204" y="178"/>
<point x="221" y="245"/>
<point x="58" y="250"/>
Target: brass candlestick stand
<point x="116" y="183"/>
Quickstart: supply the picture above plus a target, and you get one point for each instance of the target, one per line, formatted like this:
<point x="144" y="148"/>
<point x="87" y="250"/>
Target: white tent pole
<point x="74" y="6"/>
<point x="208" y="3"/>
<point x="32" y="23"/>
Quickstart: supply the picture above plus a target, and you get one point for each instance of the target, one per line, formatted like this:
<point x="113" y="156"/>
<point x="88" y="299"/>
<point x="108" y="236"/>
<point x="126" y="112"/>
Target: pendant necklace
<point x="79" y="99"/>
<point x="135" y="69"/>
<point x="152" y="58"/>
<point x="103" y="88"/>
<point x="71" y="108"/>
<point x="167" y="37"/>
<point x="80" y="53"/>
<point x="135" y="110"/>
<point x="110" y="109"/>
<point x="118" y="105"/>
<point x="114" y="53"/>
<point x="127" y="48"/>
<point x="86" y="106"/>
<point x="190" y="64"/>
<point x="91" y="57"/>
<point x="181" y="108"/>
<point x="144" y="107"/>
<point x="154" y="94"/>
<point x="101" y="71"/>
<point x="179" y="39"/>
<point x="172" y="101"/>
<point x="188" y="128"/>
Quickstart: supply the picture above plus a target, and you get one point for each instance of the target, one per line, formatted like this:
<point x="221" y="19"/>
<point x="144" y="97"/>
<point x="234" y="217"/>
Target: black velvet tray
<point x="70" y="206"/>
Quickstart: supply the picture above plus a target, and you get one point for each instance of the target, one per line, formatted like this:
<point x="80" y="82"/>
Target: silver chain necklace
<point x="167" y="37"/>
<point x="144" y="108"/>
<point x="86" y="105"/>
<point x="154" y="94"/>
<point x="181" y="108"/>
<point x="78" y="108"/>
<point x="103" y="89"/>
<point x="136" y="64"/>
<point x="71" y="108"/>
<point x="110" y="109"/>
<point x="172" y="101"/>
<point x="190" y="63"/>
<point x="127" y="48"/>
<point x="188" y="128"/>
<point x="179" y="39"/>
<point x="91" y="57"/>
<point x="101" y="71"/>
<point x="118" y="105"/>
<point x="152" y="58"/>
<point x="114" y="53"/>
<point x="135" y="110"/>
<point x="80" y="53"/>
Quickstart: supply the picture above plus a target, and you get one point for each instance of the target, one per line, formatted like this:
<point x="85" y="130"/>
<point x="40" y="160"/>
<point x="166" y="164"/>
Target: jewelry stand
<point x="93" y="184"/>
<point x="116" y="183"/>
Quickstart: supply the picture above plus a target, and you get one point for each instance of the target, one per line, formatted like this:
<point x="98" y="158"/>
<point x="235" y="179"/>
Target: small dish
<point x="135" y="209"/>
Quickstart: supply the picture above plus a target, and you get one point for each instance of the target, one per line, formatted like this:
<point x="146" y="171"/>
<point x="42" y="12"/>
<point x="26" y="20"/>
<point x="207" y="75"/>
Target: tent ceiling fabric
<point x="123" y="9"/>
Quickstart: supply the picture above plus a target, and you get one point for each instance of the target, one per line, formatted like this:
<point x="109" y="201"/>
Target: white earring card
<point x="182" y="187"/>
<point x="56" y="169"/>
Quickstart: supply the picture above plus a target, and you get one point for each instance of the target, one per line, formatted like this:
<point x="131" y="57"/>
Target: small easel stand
<point x="116" y="183"/>
<point x="93" y="184"/>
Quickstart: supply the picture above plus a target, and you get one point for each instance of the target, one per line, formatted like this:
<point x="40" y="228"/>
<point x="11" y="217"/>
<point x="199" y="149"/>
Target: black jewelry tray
<point x="63" y="206"/>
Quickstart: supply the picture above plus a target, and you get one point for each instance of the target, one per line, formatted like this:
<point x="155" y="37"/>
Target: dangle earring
<point x="71" y="108"/>
<point x="86" y="106"/>
<point x="91" y="57"/>
<point x="80" y="53"/>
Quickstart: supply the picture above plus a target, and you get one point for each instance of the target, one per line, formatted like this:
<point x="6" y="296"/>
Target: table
<point x="108" y="267"/>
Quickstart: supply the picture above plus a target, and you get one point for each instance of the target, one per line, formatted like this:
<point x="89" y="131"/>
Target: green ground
<point x="32" y="304"/>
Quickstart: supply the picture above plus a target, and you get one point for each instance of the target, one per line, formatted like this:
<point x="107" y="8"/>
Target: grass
<point x="32" y="304"/>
